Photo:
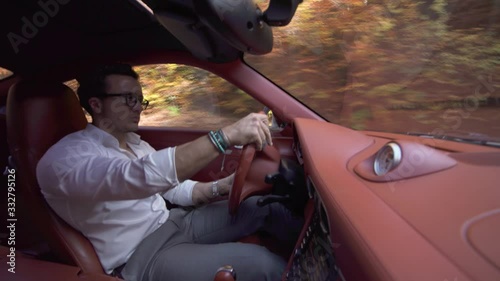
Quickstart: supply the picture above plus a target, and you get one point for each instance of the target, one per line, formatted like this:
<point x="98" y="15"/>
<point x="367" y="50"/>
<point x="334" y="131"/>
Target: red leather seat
<point x="38" y="115"/>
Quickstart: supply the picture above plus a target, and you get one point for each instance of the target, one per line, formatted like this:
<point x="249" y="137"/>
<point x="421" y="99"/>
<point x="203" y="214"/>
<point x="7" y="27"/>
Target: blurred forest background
<point x="430" y="66"/>
<point x="394" y="65"/>
<point x="4" y="73"/>
<point x="187" y="96"/>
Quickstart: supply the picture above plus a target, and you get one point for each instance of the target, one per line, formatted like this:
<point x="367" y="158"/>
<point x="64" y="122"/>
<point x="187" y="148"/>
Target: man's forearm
<point x="203" y="191"/>
<point x="193" y="156"/>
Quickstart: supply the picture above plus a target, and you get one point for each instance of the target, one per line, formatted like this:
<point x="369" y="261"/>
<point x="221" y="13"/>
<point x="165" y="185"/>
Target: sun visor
<point x="240" y="22"/>
<point x="220" y="30"/>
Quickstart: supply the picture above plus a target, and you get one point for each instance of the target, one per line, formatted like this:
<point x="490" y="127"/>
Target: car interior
<point x="377" y="205"/>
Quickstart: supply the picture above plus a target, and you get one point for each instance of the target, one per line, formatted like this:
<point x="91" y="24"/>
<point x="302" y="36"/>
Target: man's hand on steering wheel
<point x="253" y="133"/>
<point x="252" y="129"/>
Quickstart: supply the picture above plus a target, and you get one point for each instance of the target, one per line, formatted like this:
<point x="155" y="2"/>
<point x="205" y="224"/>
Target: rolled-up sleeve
<point x="182" y="194"/>
<point x="159" y="167"/>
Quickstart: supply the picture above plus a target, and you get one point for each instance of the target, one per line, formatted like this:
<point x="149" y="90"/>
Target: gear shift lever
<point x="275" y="179"/>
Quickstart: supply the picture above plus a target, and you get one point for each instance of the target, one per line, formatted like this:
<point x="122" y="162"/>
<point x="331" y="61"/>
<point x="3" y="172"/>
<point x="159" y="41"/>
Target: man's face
<point x="117" y="114"/>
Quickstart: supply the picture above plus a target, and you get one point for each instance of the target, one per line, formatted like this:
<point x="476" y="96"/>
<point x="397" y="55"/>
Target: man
<point x="110" y="185"/>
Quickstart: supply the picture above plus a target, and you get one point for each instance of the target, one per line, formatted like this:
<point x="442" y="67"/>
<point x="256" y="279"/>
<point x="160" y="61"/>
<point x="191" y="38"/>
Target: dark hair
<point x="94" y="82"/>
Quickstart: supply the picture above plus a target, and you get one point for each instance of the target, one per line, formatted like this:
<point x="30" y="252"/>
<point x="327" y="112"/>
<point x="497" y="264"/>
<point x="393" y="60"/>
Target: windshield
<point x="429" y="66"/>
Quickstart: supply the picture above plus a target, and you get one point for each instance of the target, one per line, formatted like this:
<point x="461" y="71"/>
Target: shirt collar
<point x="107" y="139"/>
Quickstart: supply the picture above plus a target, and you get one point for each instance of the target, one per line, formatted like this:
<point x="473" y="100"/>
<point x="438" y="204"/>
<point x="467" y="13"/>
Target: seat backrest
<point x="39" y="114"/>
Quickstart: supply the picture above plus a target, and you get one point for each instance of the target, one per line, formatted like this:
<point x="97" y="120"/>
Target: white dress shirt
<point x="109" y="194"/>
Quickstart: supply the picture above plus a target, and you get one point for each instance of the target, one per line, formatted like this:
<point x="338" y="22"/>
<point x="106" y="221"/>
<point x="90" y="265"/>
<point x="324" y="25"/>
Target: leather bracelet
<point x="224" y="137"/>
<point x="215" y="189"/>
<point x="218" y="140"/>
<point x="215" y="142"/>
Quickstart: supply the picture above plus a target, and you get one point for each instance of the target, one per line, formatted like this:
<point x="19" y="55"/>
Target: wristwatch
<point x="215" y="189"/>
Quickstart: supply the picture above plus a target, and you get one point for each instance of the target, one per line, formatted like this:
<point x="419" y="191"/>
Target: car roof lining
<point x="78" y="30"/>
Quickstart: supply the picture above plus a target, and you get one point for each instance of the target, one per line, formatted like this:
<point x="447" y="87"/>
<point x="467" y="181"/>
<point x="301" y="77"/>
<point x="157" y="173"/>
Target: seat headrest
<point x="40" y="113"/>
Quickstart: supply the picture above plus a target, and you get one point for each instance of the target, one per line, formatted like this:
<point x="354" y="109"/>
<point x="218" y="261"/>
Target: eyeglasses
<point x="130" y="99"/>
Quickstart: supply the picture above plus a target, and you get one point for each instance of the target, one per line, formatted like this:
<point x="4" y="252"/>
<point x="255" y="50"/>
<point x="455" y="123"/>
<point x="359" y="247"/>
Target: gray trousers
<point x="193" y="244"/>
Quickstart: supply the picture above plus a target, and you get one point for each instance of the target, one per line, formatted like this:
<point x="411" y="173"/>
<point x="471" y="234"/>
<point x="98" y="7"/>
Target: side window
<point x="186" y="96"/>
<point x="5" y="73"/>
<point x="190" y="97"/>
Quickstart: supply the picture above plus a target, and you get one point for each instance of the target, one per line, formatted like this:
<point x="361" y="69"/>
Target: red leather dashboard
<point x="430" y="222"/>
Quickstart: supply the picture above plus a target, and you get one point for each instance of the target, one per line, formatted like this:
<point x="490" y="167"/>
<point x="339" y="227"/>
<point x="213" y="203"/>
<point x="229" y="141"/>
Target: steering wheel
<point x="252" y="170"/>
